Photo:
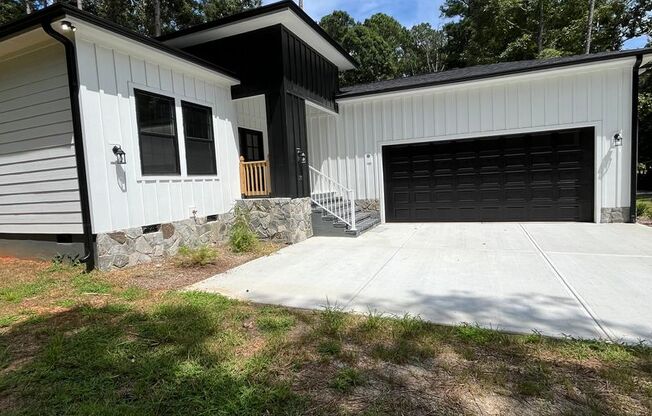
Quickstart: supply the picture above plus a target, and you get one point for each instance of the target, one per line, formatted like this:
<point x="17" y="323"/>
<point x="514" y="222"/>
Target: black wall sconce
<point x="120" y="155"/>
<point x="618" y="139"/>
<point x="67" y="26"/>
<point x="301" y="156"/>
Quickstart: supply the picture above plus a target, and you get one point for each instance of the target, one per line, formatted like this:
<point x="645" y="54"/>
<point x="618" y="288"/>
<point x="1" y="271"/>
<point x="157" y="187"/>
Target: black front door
<point x="251" y="145"/>
<point x="546" y="176"/>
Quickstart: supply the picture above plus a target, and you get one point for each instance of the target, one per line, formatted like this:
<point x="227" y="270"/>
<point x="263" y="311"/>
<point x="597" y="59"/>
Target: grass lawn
<point x="129" y="343"/>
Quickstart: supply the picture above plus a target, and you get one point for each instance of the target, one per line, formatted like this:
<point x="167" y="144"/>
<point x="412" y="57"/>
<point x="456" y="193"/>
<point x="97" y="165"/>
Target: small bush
<point x="643" y="210"/>
<point x="242" y="239"/>
<point x="332" y="319"/>
<point x="192" y="257"/>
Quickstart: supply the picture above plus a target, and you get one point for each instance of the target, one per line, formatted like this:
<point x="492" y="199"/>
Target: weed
<point x="643" y="209"/>
<point x="330" y="347"/>
<point x="21" y="291"/>
<point x="373" y="321"/>
<point x="242" y="238"/>
<point x="480" y="336"/>
<point x="332" y="319"/>
<point x="133" y="293"/>
<point x="90" y="283"/>
<point x="408" y="326"/>
<point x="196" y="257"/>
<point x="346" y="379"/>
<point x="8" y="320"/>
<point x="275" y="323"/>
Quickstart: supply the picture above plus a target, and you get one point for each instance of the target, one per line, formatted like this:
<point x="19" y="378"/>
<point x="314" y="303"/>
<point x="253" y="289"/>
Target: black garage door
<point x="545" y="176"/>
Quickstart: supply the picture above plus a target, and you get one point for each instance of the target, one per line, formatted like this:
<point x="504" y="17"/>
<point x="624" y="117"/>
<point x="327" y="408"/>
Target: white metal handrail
<point x="332" y="197"/>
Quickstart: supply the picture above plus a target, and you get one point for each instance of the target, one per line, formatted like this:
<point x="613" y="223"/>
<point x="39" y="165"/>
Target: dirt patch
<point x="168" y="275"/>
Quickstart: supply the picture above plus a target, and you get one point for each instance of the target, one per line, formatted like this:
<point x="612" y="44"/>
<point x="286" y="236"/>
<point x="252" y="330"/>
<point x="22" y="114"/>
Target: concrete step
<point x="364" y="225"/>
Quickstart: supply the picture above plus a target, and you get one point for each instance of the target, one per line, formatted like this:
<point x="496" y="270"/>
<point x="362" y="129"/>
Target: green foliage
<point x="347" y="379"/>
<point x="242" y="238"/>
<point x="20" y="291"/>
<point x="90" y="283"/>
<point x="196" y="257"/>
<point x="332" y="319"/>
<point x="643" y="209"/>
<point x="330" y="347"/>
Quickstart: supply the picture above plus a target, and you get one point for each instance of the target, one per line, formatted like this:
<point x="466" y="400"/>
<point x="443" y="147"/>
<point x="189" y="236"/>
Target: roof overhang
<point x="28" y="27"/>
<point x="579" y="63"/>
<point x="285" y="13"/>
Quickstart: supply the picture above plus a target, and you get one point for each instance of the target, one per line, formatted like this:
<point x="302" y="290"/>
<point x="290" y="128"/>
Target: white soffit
<point x="284" y="17"/>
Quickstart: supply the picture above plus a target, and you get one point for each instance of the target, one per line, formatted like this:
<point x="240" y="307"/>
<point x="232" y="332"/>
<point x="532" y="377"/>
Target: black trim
<point x="482" y="72"/>
<point x="634" y="138"/>
<point x="53" y="238"/>
<point x="80" y="159"/>
<point x="176" y="133"/>
<point x="259" y="11"/>
<point x="187" y="138"/>
<point x="60" y="10"/>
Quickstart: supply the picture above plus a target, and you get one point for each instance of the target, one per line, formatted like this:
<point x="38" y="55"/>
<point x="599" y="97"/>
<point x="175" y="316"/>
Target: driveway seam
<point x="365" y="284"/>
<point x="568" y="286"/>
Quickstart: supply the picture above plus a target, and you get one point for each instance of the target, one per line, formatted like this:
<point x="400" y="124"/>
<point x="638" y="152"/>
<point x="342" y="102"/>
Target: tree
<point x="215" y="9"/>
<point x="589" y="26"/>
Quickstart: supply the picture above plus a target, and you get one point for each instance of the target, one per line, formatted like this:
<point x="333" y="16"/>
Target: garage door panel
<point x="540" y="177"/>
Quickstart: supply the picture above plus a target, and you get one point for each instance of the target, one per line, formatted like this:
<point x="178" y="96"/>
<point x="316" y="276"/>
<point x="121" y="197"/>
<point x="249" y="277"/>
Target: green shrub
<point x="643" y="209"/>
<point x="192" y="257"/>
<point x="242" y="239"/>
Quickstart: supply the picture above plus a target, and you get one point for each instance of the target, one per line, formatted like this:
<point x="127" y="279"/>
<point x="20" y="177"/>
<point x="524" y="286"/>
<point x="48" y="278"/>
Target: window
<point x="251" y="145"/>
<point x="157" y="134"/>
<point x="200" y="145"/>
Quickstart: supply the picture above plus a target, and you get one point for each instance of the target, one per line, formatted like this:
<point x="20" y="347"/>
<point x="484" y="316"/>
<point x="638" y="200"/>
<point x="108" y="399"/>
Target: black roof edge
<point x="588" y="59"/>
<point x="251" y="13"/>
<point x="59" y="10"/>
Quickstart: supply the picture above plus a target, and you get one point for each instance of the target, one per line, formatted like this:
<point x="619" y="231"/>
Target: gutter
<point x="634" y="137"/>
<point x="80" y="159"/>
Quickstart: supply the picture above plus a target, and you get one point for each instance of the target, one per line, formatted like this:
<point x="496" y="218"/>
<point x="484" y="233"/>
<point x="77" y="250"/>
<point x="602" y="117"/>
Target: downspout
<point x="634" y="136"/>
<point x="80" y="159"/>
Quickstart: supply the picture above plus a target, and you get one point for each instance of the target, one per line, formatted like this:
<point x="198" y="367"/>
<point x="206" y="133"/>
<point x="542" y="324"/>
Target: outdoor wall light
<point x="618" y="139"/>
<point x="120" y="155"/>
<point x="67" y="26"/>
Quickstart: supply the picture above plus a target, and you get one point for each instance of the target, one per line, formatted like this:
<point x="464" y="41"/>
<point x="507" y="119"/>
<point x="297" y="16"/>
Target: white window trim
<point x="181" y="138"/>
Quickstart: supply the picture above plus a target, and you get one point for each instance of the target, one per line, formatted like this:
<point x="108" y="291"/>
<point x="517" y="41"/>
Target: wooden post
<point x="243" y="187"/>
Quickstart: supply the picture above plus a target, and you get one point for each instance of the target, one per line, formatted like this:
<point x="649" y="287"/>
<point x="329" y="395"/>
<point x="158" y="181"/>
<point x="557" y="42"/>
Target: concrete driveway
<point x="584" y="280"/>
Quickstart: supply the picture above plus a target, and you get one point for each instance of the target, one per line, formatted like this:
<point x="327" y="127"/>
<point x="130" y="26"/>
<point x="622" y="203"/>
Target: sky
<point x="408" y="12"/>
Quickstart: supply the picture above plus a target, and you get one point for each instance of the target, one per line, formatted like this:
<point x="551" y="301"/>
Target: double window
<point x="157" y="136"/>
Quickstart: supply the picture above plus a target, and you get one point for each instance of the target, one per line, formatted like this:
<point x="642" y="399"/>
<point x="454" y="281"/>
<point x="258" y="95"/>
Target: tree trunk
<point x="79" y="4"/>
<point x="28" y="6"/>
<point x="301" y="3"/>
<point x="541" y="26"/>
<point x="157" y="17"/>
<point x="589" y="27"/>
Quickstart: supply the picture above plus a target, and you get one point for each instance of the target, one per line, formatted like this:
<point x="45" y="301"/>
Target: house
<point x="121" y="148"/>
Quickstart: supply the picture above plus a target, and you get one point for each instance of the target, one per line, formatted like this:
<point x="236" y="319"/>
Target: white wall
<point x="39" y="193"/>
<point x="110" y="67"/>
<point x="596" y="95"/>
<point x="252" y="115"/>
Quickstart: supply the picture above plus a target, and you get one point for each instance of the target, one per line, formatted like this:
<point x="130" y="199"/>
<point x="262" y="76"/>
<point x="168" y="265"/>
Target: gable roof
<point x="481" y="72"/>
<point x="285" y="12"/>
<point x="61" y="10"/>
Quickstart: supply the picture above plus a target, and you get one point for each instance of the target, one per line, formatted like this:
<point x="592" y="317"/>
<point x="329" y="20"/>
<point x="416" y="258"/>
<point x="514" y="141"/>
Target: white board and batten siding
<point x="121" y="197"/>
<point x="348" y="146"/>
<point x="252" y="115"/>
<point x="39" y="192"/>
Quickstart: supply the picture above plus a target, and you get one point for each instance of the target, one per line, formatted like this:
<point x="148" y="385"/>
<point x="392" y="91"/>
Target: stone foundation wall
<point x="279" y="219"/>
<point x="369" y="205"/>
<point x="614" y="214"/>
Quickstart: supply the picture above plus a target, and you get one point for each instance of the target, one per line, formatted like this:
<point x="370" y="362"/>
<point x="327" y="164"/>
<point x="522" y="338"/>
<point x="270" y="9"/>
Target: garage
<point x="543" y="176"/>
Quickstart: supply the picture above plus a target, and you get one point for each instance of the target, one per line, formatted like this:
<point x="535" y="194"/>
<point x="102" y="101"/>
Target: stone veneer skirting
<point x="369" y="205"/>
<point x="279" y="219"/>
<point x="614" y="214"/>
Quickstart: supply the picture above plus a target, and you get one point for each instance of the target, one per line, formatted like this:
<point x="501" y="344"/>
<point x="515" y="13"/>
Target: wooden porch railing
<point x="254" y="178"/>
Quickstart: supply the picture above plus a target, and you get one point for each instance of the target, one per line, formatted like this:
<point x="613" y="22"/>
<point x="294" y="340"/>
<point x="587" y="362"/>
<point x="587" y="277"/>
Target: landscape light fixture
<point x="67" y="26"/>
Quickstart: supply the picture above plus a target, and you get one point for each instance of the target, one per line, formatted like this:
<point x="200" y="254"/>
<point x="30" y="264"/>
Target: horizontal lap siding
<point x="120" y="196"/>
<point x="39" y="191"/>
<point x="338" y="144"/>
